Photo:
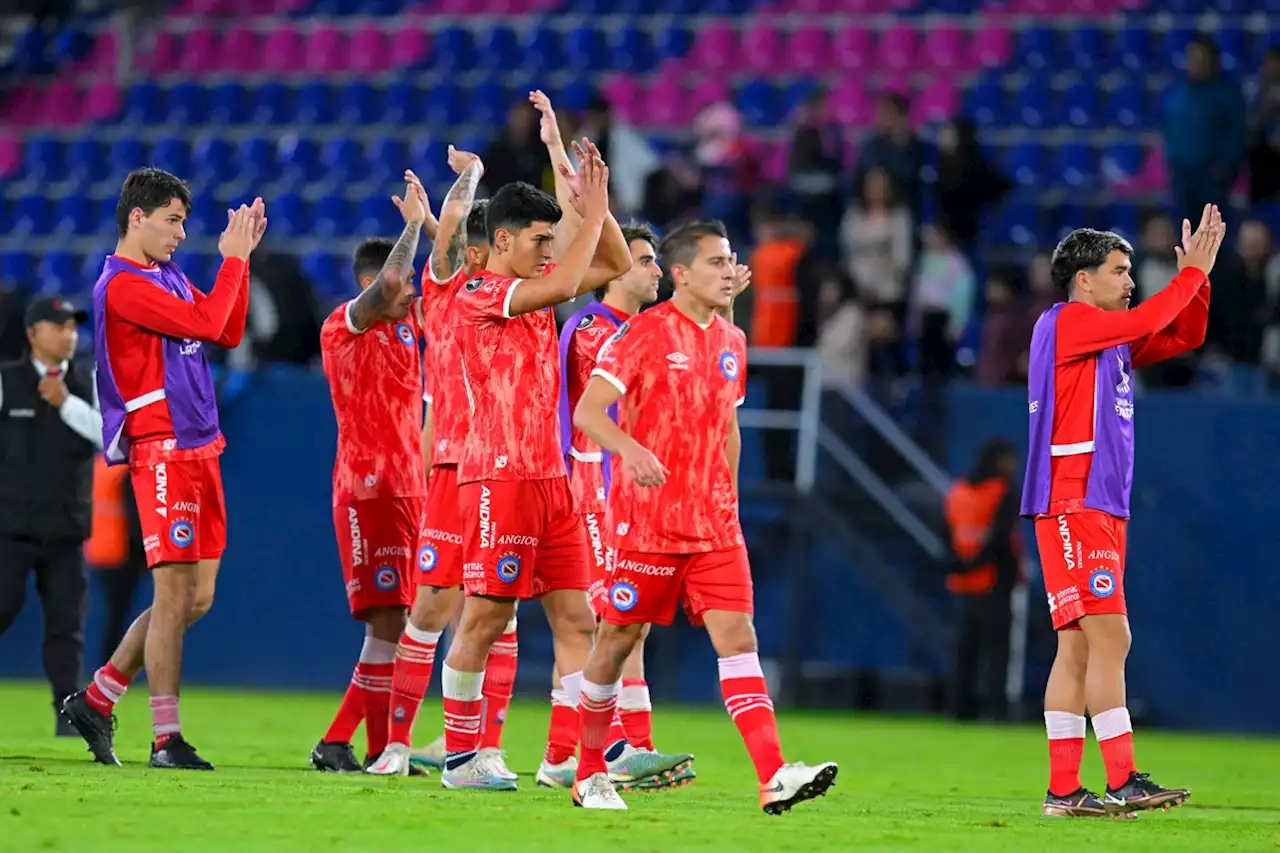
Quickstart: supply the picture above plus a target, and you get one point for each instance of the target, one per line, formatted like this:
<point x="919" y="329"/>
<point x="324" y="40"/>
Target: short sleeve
<point x="620" y="359"/>
<point x="742" y="377"/>
<point x="337" y="332"/>
<point x="487" y="297"/>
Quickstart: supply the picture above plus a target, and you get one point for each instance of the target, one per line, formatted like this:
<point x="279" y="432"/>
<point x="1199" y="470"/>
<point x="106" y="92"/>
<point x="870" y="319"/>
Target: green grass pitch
<point x="905" y="784"/>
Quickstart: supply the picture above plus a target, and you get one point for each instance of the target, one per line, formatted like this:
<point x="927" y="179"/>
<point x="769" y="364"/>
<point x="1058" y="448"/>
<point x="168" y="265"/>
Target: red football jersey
<point x="450" y="412"/>
<point x="375" y="380"/>
<point x="586" y="476"/>
<point x="680" y="384"/>
<point x="511" y="373"/>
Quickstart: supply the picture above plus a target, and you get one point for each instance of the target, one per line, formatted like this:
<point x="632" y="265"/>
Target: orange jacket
<point x="775" y="312"/>
<point x="108" y="544"/>
<point x="971" y="511"/>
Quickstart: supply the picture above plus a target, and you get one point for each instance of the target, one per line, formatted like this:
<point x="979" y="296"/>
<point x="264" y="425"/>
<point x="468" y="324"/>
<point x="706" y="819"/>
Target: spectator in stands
<point x="895" y="148"/>
<point x="518" y="154"/>
<point x="877" y="243"/>
<point x="1154" y="265"/>
<point x="1238" y="312"/>
<point x="1264" y="131"/>
<point x="630" y="157"/>
<point x="672" y="195"/>
<point x="1204" y="131"/>
<point x="842" y="336"/>
<point x="967" y="182"/>
<point x="1006" y="333"/>
<point x="730" y="169"/>
<point x="813" y="179"/>
<point x="941" y="300"/>
<point x="1043" y="295"/>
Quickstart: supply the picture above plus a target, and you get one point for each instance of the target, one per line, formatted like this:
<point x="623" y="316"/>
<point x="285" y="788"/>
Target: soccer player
<point x="1078" y="480"/>
<point x="523" y="538"/>
<point x="580" y="341"/>
<point x="369" y="348"/>
<point x="159" y="416"/>
<point x="677" y="374"/>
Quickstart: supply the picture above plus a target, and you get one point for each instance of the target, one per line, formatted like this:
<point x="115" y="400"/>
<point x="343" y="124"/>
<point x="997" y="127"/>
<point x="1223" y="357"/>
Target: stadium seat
<point x="715" y="48"/>
<point x="333" y="217"/>
<point x="1234" y="48"/>
<point x="852" y="47"/>
<point x="850" y="104"/>
<point x="369" y="50"/>
<point x="986" y="104"/>
<point x="1033" y="104"/>
<point x="709" y="90"/>
<point x="289" y="216"/>
<point x="284" y="50"/>
<point x="454" y="50"/>
<point x="575" y="96"/>
<point x="584" y="50"/>
<point x="489" y="104"/>
<point x="388" y="158"/>
<point x="272" y="103"/>
<point x="1038" y="49"/>
<point x="1074" y="164"/>
<point x="144" y="103"/>
<point x="631" y="50"/>
<point x="944" y="48"/>
<point x="761" y="48"/>
<point x="672" y="42"/>
<point x="228" y="104"/>
<point x="256" y="160"/>
<point x="59" y="272"/>
<point x="315" y="104"/>
<point x="542" y="49"/>
<point x="172" y="154"/>
<point x="185" y="104"/>
<point x="1122" y="218"/>
<point x="1121" y="161"/>
<point x="1079" y="104"/>
<point x="45" y="159"/>
<point x="897" y="48"/>
<point x="103" y="101"/>
<point x="10" y="156"/>
<point x="125" y="155"/>
<point x="86" y="159"/>
<point x="666" y="101"/>
<point x="104" y="223"/>
<point x="72" y="217"/>
<point x="376" y="215"/>
<point x="1084" y="47"/>
<point x="165" y="55"/>
<point x="1131" y="48"/>
<point x="808" y="50"/>
<point x="410" y="49"/>
<point x="938" y="102"/>
<point x="1025" y="163"/>
<point x="62" y="104"/>
<point x="16" y="267"/>
<point x="359" y="104"/>
<point x="242" y="50"/>
<point x="758" y="103"/>
<point x="1127" y="106"/>
<point x="202" y="52"/>
<point x="215" y="159"/>
<point x="326" y="51"/>
<point x="343" y="160"/>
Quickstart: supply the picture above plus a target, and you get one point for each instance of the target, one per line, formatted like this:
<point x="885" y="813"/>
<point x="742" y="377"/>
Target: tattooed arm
<point x="367" y="308"/>
<point x="449" y="251"/>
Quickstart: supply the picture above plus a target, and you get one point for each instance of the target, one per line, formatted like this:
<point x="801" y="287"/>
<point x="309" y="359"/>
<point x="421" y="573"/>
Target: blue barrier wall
<point x="1202" y="543"/>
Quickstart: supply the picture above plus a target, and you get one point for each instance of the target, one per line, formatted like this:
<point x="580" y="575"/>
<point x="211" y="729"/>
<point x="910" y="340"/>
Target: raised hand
<point x="1200" y="249"/>
<point x="413" y="207"/>
<point x="237" y="240"/>
<point x="741" y="276"/>
<point x="593" y="180"/>
<point x="258" y="211"/>
<point x="548" y="128"/>
<point x="460" y="160"/>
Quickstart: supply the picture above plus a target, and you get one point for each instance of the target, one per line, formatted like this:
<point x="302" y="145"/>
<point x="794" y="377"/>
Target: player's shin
<point x="374" y="676"/>
<point x="1108" y="639"/>
<point x="163" y="650"/>
<point x="746" y="698"/>
<point x="499" y="682"/>
<point x="634" y="706"/>
<point x="415" y="658"/>
<point x="1064" y="704"/>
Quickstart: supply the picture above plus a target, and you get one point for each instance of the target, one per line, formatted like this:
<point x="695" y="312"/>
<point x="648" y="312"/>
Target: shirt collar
<point x="43" y="370"/>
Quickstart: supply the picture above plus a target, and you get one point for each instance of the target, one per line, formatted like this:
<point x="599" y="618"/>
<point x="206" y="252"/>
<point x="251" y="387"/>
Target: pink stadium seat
<point x="858" y="7"/>
<point x="202" y="51"/>
<point x="808" y="50"/>
<point x="242" y="50"/>
<point x="938" y="102"/>
<point x="61" y="105"/>
<point x="775" y="158"/>
<point x="22" y="108"/>
<point x="283" y="51"/>
<point x="453" y="7"/>
<point x="203" y="8"/>
<point x="898" y="48"/>
<point x="991" y="47"/>
<point x="165" y="55"/>
<point x="10" y="155"/>
<point x="850" y="105"/>
<point x="944" y="48"/>
<point x="102" y="56"/>
<point x="666" y="103"/>
<point x="326" y="50"/>
<point x="808" y="7"/>
<point x="103" y="101"/>
<point x="715" y="47"/>
<point x="369" y="51"/>
<point x="711" y="90"/>
<point x="851" y="48"/>
<point x="624" y="96"/>
<point x="409" y="47"/>
<point x="762" y="48"/>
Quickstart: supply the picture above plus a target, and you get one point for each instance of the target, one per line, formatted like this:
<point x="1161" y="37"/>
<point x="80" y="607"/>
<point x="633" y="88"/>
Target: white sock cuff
<point x="635" y="697"/>
<point x="559" y="697"/>
<point x="1112" y="724"/>
<point x="571" y="685"/>
<point x="511" y="625"/>
<point x="377" y="651"/>
<point x="463" y="686"/>
<point x="1063" y="725"/>
<point x="426" y="638"/>
<point x="741" y="666"/>
<point x="600" y="692"/>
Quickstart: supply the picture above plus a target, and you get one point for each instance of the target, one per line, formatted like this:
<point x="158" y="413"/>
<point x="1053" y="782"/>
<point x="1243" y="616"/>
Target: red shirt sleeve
<point x="233" y="334"/>
<point x="1084" y="330"/>
<point x="488" y="297"/>
<point x="145" y="305"/>
<point x="621" y="359"/>
<point x="1184" y="334"/>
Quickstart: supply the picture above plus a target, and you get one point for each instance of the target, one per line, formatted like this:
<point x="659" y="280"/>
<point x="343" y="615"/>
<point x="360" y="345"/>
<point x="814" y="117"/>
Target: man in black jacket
<point x="50" y="429"/>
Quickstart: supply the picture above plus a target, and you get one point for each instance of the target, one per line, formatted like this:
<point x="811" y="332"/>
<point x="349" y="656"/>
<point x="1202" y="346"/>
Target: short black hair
<point x="631" y="233"/>
<point x="477" y="230"/>
<point x="681" y="245"/>
<point x="517" y="206"/>
<point x="371" y="256"/>
<point x="149" y="189"/>
<point x="1084" y="249"/>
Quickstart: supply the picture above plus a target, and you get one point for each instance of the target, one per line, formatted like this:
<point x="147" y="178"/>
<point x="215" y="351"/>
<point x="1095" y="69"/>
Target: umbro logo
<point x="679" y="361"/>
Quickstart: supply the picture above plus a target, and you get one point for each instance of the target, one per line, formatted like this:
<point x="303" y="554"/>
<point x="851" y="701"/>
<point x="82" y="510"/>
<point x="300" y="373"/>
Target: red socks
<point x="350" y="713"/>
<point x="596" y="708"/>
<point x="462" y="705"/>
<point x="1066" y="750"/>
<point x="499" y="682"/>
<point x="746" y="698"/>
<point x="164" y="719"/>
<point x="562" y="734"/>
<point x="373" y="678"/>
<point x="106" y="689"/>
<point x="415" y="658"/>
<point x="1114" y="731"/>
<point x="636" y="712"/>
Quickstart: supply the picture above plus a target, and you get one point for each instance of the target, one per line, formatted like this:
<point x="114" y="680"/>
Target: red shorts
<point x="440" y="542"/>
<point x="598" y="564"/>
<point x="182" y="511"/>
<point x="524" y="538"/>
<point x="378" y="545"/>
<point x="1082" y="557"/>
<point x="645" y="588"/>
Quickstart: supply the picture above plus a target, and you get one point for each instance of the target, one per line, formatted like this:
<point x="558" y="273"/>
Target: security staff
<point x="50" y="431"/>
<point x="982" y="516"/>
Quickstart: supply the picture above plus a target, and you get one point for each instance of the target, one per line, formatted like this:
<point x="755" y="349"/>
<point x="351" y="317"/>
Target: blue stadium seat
<point x="575" y="96"/>
<point x="188" y="104"/>
<point x="272" y="103"/>
<point x="330" y="274"/>
<point x="488" y="104"/>
<point x="795" y="93"/>
<point x="104" y="218"/>
<point x="584" y="50"/>
<point x="1084" y="47"/>
<point x="454" y="50"/>
<point x="16" y="267"/>
<point x="1174" y="46"/>
<point x="299" y="158"/>
<point x="1131" y="47"/>
<point x="72" y="217"/>
<point x="726" y="7"/>
<point x="30" y="51"/>
<point x="86" y="159"/>
<point x="1127" y="106"/>
<point x="1025" y="163"/>
<point x="1186" y="7"/>
<point x="672" y="42"/>
<point x="986" y="104"/>
<point x="1065" y="218"/>
<point x="1038" y="48"/>
<point x="542" y="49"/>
<point x="429" y="158"/>
<point x="126" y="155"/>
<point x="215" y="159"/>
<point x="388" y="157"/>
<point x="289" y="216"/>
<point x="359" y="104"/>
<point x="343" y="160"/>
<point x="404" y="102"/>
<point x="375" y="215"/>
<point x="256" y="160"/>
<point x="314" y="103"/>
<point x="1075" y="164"/>
<point x="1122" y="218"/>
<point x="45" y="158"/>
<point x="497" y="49"/>
<point x="201" y="269"/>
<point x="1033" y="104"/>
<point x="59" y="272"/>
<point x="1235" y="48"/>
<point x="144" y="103"/>
<point x="228" y="104"/>
<point x="444" y="105"/>
<point x="173" y="155"/>
<point x="630" y="50"/>
<point x="208" y="215"/>
<point x="1079" y="104"/>
<point x="1020" y="223"/>
<point x="1121" y="160"/>
<point x="758" y="103"/>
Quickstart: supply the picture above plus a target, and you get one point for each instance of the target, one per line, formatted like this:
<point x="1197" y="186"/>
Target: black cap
<point x="55" y="309"/>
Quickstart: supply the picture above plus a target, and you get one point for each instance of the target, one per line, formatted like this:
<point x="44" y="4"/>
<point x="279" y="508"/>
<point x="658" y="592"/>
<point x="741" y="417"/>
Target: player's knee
<point x="201" y="603"/>
<point x="616" y="642"/>
<point x="433" y="608"/>
<point x="731" y="633"/>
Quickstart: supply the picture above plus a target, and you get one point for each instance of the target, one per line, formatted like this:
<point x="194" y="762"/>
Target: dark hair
<point x="148" y="190"/>
<point x="371" y="256"/>
<point x="517" y="206"/>
<point x="1084" y="249"/>
<point x="897" y="101"/>
<point x="477" y="231"/>
<point x="631" y="233"/>
<point x="681" y="245"/>
<point x="987" y="465"/>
